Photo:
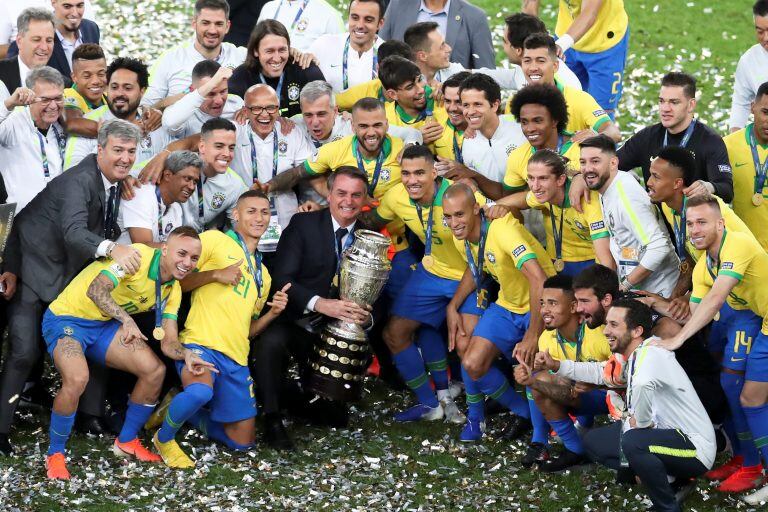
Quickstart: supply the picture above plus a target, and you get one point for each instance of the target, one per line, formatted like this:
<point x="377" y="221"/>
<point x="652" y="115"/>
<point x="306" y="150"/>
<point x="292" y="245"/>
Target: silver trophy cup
<point x="341" y="357"/>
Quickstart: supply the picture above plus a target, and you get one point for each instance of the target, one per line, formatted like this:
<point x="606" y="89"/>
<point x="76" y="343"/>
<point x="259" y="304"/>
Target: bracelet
<point x="110" y="248"/>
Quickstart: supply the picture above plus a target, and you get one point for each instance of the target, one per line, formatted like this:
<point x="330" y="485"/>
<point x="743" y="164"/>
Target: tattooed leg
<point x="71" y="364"/>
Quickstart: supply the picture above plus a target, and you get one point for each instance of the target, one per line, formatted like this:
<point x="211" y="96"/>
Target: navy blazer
<point x="90" y="33"/>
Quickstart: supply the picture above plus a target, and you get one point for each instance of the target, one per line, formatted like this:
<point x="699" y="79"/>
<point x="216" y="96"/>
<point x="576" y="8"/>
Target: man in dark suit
<point x="35" y="44"/>
<point x="307" y="257"/>
<point x="72" y="30"/>
<point x="464" y="26"/>
<point x="71" y="222"/>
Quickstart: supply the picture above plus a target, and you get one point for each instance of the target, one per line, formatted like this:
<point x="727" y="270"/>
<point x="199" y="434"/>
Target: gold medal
<point x="559" y="265"/>
<point x="428" y="260"/>
<point x="684" y="266"/>
<point x="158" y="333"/>
<point x="757" y="199"/>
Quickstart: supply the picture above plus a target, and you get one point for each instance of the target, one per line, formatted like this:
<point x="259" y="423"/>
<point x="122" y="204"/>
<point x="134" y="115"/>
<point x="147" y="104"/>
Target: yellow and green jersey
<point x="396" y="116"/>
<point x="372" y="89"/>
<point x="451" y="139"/>
<point x="608" y="29"/>
<point x="594" y="345"/>
<point x="73" y="99"/>
<point x="516" y="176"/>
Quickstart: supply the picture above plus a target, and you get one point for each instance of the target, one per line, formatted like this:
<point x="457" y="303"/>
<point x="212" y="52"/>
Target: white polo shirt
<point x="21" y="157"/>
<point x="220" y="195"/>
<point x="148" y="211"/>
<point x="172" y="72"/>
<point x="292" y="150"/>
<point x="184" y="118"/>
<point x="306" y="20"/>
<point x="329" y="50"/>
<point x="489" y="156"/>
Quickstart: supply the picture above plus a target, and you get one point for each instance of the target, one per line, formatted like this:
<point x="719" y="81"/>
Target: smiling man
<point x="751" y="71"/>
<point x="35" y="43"/>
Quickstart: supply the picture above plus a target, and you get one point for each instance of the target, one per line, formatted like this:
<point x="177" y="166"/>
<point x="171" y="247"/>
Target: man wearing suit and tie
<point x="35" y="42"/>
<point x="307" y="257"/>
<point x="464" y="26"/>
<point x="72" y="30"/>
<point x="71" y="222"/>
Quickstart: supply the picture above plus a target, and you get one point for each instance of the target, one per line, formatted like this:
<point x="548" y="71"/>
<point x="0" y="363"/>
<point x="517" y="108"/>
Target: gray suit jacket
<point x="468" y="32"/>
<point x="58" y="232"/>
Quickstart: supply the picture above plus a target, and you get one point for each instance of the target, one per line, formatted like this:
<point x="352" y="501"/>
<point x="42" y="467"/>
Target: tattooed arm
<point x="172" y="348"/>
<point x="286" y="180"/>
<point x="372" y="220"/>
<point x="558" y="389"/>
<point x="99" y="291"/>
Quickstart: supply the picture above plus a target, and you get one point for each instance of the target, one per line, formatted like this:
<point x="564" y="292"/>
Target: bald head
<point x="461" y="212"/>
<point x="263" y="108"/>
<point x="460" y="192"/>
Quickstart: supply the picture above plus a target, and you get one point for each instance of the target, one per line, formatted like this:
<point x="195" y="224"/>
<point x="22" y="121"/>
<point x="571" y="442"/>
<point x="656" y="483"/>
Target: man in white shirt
<point x="263" y="152"/>
<point x="640" y="244"/>
<point x="209" y="97"/>
<point x="31" y="139"/>
<point x="349" y="59"/>
<point x="155" y="210"/>
<point x="306" y="20"/>
<point x="751" y="71"/>
<point x="171" y="75"/>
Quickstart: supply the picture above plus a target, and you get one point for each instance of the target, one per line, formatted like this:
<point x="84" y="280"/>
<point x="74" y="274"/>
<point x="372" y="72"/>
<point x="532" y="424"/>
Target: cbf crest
<point x="217" y="200"/>
<point x="282" y="147"/>
<point x="302" y="25"/>
<point x="385" y="175"/>
<point x="293" y="92"/>
<point x="490" y="257"/>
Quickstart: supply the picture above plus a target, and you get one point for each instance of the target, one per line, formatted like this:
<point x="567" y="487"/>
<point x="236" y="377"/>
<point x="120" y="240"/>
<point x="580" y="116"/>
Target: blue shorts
<point x="94" y="336"/>
<point x="403" y="264"/>
<point x="574" y="268"/>
<point x="425" y="297"/>
<point x="733" y="335"/>
<point x="592" y="403"/>
<point x="757" y="362"/>
<point x="502" y="328"/>
<point x="233" y="396"/>
<point x="601" y="73"/>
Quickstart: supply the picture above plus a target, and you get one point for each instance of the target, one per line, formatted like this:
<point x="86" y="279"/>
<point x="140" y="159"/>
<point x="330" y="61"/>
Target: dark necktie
<point x="109" y="214"/>
<point x="340" y="234"/>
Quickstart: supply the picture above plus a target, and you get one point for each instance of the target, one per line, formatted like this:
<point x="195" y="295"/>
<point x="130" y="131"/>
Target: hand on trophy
<point x="344" y="310"/>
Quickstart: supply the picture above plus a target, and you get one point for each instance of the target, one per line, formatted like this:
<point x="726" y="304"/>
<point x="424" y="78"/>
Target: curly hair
<point x="547" y="96"/>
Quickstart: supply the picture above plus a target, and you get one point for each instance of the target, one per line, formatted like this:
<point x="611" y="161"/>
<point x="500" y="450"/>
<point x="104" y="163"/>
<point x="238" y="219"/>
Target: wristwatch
<point x="110" y="248"/>
<point x="624" y="284"/>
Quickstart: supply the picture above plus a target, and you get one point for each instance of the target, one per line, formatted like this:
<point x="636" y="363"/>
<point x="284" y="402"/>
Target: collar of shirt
<point x="23" y="71"/>
<point x="66" y="43"/>
<point x="107" y="184"/>
<point x="336" y="226"/>
<point x="423" y="8"/>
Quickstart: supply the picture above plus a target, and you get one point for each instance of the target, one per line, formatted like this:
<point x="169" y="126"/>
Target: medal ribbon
<point x="680" y="231"/>
<point x="298" y="14"/>
<point x="201" y="202"/>
<point x="477" y="267"/>
<point x="557" y="234"/>
<point x="430" y="221"/>
<point x="44" y="153"/>
<point x="345" y="66"/>
<point x="376" y="170"/>
<point x="255" y="164"/>
<point x="456" y="146"/>
<point x="159" y="302"/>
<point x="686" y="137"/>
<point x="255" y="273"/>
<point x="279" y="88"/>
<point x="159" y="213"/>
<point x="579" y="340"/>
<point x="761" y="169"/>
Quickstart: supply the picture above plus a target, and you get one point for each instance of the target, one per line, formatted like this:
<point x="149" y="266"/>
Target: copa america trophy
<point x="341" y="357"/>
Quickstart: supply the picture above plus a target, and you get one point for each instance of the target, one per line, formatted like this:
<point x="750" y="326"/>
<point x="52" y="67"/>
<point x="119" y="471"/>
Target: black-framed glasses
<point x="269" y="109"/>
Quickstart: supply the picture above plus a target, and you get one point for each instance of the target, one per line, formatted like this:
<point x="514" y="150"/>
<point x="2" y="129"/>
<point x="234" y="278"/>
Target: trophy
<point x="341" y="358"/>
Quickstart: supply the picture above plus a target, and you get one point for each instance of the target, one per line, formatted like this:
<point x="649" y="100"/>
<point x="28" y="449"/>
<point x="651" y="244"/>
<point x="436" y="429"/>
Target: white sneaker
<point x="452" y="412"/>
<point x="455" y="388"/>
<point x="758" y="497"/>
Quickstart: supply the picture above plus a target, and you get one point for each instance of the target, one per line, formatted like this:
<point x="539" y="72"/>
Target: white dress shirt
<point x="68" y="46"/>
<point x="440" y="17"/>
<point x="144" y="211"/>
<point x="23" y="71"/>
<point x="344" y="239"/>
<point x="317" y="18"/>
<point x="329" y="50"/>
<point x="101" y="250"/>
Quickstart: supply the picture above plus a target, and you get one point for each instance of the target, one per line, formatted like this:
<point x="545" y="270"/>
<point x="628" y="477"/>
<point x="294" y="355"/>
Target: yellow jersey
<point x="594" y="345"/>
<point x="372" y="89"/>
<point x="221" y="314"/>
<point x="740" y="157"/>
<point x="451" y="140"/>
<point x="608" y="29"/>
<point x="396" y="116"/>
<point x="578" y="229"/>
<point x="508" y="245"/>
<point x="732" y="222"/>
<point x="742" y="258"/>
<point x="134" y="293"/>
<point x="73" y="99"/>
<point x="516" y="175"/>
<point x="448" y="263"/>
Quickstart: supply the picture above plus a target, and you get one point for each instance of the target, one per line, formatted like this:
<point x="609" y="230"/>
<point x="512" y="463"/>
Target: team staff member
<point x="751" y="71"/>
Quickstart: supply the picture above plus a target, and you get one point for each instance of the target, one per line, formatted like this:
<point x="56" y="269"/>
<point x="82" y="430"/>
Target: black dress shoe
<point x="87" y="424"/>
<point x="535" y="454"/>
<point x="516" y="428"/>
<point x="6" y="448"/>
<point x="566" y="460"/>
<point x="275" y="434"/>
<point x="327" y="413"/>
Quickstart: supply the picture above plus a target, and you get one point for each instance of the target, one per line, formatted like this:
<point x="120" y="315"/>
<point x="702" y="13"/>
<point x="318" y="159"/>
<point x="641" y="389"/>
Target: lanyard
<point x="686" y="137"/>
<point x="254" y="157"/>
<point x="339" y="254"/>
<point x="557" y="234"/>
<point x="201" y="202"/>
<point x="761" y="169"/>
<point x="477" y="267"/>
<point x="159" y="302"/>
<point x="256" y="274"/>
<point x="376" y="170"/>
<point x="579" y="340"/>
<point x="298" y="14"/>
<point x="630" y="378"/>
<point x="680" y="233"/>
<point x="44" y="153"/>
<point x="345" y="66"/>
<point x="456" y="146"/>
<point x="279" y="88"/>
<point x="712" y="274"/>
<point x="430" y="221"/>
<point x="427" y="112"/>
<point x="159" y="213"/>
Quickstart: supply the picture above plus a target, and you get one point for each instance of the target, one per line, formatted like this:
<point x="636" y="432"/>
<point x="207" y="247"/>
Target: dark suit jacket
<point x="468" y="32"/>
<point x="306" y="258"/>
<point x="58" y="232"/>
<point x="9" y="73"/>
<point x="90" y="33"/>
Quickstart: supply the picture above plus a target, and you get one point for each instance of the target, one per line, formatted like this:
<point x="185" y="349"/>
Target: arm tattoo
<point x="558" y="390"/>
<point x="372" y="219"/>
<point x="287" y="179"/>
<point x="99" y="292"/>
<point x="173" y="349"/>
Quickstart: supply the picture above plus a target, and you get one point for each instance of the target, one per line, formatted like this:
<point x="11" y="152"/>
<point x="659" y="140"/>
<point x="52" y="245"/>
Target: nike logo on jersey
<point x="130" y="287"/>
<point x="739" y="165"/>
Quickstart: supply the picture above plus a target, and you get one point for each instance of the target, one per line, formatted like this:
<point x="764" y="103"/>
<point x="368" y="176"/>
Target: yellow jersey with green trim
<point x="134" y="293"/>
<point x="579" y="230"/>
<point x="508" y="246"/>
<point x="372" y="89"/>
<point x="221" y="314"/>
<point x="516" y="175"/>
<point x="608" y="29"/>
<point x="594" y="345"/>
<point x="740" y="157"/>
<point x="396" y="116"/>
<point x="396" y="204"/>
<point x="444" y="146"/>
<point x="732" y="223"/>
<point x="73" y="99"/>
<point x="742" y="258"/>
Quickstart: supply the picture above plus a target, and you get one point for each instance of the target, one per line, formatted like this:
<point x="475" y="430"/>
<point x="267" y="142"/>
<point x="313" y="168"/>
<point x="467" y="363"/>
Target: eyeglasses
<point x="269" y="109"/>
<point x="59" y="100"/>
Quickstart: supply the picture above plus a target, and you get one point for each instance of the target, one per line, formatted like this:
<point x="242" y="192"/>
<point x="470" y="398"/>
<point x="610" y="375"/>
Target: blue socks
<point x="757" y="418"/>
<point x="540" y="423"/>
<point x="411" y="367"/>
<point x="475" y="398"/>
<point x="434" y="353"/>
<point x="495" y="385"/>
<point x="568" y="435"/>
<point x="732" y="384"/>
<point x="201" y="420"/>
<point x="182" y="407"/>
<point x="59" y="431"/>
<point x="135" y="417"/>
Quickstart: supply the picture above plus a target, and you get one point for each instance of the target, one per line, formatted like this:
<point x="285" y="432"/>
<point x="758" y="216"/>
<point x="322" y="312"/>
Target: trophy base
<point x="338" y="365"/>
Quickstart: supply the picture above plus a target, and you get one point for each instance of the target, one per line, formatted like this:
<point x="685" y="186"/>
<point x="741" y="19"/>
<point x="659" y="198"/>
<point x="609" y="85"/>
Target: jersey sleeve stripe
<point x="731" y="273"/>
<point x="632" y="215"/>
<point x="525" y="258"/>
<point x="111" y="277"/>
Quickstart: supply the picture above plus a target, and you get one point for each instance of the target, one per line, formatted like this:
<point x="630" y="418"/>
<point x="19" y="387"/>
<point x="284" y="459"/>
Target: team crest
<point x="301" y="26"/>
<point x="385" y="174"/>
<point x="510" y="148"/>
<point x="146" y="142"/>
<point x="293" y="92"/>
<point x="68" y="331"/>
<point x="143" y="300"/>
<point x="579" y="225"/>
<point x="282" y="146"/>
<point x="490" y="257"/>
<point x="168" y="228"/>
<point x="217" y="200"/>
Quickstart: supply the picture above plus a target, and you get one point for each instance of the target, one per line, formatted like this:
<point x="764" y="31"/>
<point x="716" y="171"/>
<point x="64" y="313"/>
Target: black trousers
<point x="652" y="454"/>
<point x="25" y="316"/>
